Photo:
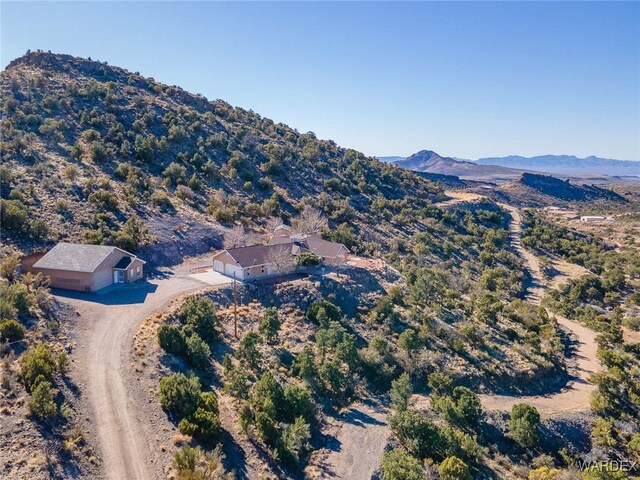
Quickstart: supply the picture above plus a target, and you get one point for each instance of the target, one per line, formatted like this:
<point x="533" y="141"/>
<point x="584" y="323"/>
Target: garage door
<point x="231" y="268"/>
<point x="102" y="279"/>
<point x="218" y="266"/>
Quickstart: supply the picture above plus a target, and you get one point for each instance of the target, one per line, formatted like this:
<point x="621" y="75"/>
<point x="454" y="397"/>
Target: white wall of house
<point x="231" y="269"/>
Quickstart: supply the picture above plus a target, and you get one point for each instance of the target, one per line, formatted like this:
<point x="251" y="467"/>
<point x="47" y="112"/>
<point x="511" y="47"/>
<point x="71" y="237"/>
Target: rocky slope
<point x="540" y="190"/>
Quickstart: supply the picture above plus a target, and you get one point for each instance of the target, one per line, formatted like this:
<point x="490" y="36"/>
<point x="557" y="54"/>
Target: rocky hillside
<point x="539" y="190"/>
<point x="87" y="147"/>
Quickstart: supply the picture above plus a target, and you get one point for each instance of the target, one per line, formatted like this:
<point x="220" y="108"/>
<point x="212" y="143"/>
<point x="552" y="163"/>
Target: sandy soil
<point x="101" y="363"/>
<point x="361" y="435"/>
<point x="459" y="197"/>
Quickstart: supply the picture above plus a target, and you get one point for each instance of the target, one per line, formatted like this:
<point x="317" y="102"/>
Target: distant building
<point x="594" y="218"/>
<point x="278" y="257"/>
<point x="87" y="268"/>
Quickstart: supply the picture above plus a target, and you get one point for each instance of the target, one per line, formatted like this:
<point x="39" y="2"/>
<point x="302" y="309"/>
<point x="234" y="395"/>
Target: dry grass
<point x="180" y="440"/>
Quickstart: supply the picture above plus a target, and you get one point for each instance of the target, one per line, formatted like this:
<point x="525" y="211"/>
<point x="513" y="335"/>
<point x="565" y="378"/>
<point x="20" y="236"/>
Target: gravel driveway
<point x="108" y="323"/>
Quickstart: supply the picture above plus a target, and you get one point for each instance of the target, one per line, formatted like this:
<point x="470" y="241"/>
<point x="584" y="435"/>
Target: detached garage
<point x="88" y="268"/>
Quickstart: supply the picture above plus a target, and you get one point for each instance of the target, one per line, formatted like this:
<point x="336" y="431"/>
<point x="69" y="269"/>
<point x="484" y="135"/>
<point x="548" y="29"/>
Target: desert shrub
<point x="304" y="366"/>
<point x="17" y="299"/>
<point x="11" y="331"/>
<point x="333" y="378"/>
<point x="524" y="425"/>
<point x="462" y="408"/>
<point x="198" y="352"/>
<point x="603" y="433"/>
<point x="96" y="152"/>
<point x="632" y="323"/>
<point x="452" y="468"/>
<point x="175" y="174"/>
<point x="416" y="433"/>
<point x="135" y="230"/>
<point x="198" y="314"/>
<point x="270" y="325"/>
<point x="104" y="200"/>
<point x="377" y="362"/>
<point x="39" y="230"/>
<point x="237" y="382"/>
<point x="463" y="445"/>
<point x="267" y="394"/>
<point x="384" y="312"/>
<point x="41" y="402"/>
<point x="160" y="199"/>
<point x="399" y="465"/>
<point x="401" y="392"/>
<point x="186" y="460"/>
<point x="172" y="339"/>
<point x="202" y="424"/>
<point x="298" y="403"/>
<point x="14" y="216"/>
<point x="544" y="473"/>
<point x="266" y="427"/>
<point x="440" y="384"/>
<point x="323" y="310"/>
<point x="248" y="352"/>
<point x="294" y="440"/>
<point x="307" y="260"/>
<point x="179" y="394"/>
<point x="409" y="341"/>
<point x="245" y="418"/>
<point x="185" y="193"/>
<point x="37" y="362"/>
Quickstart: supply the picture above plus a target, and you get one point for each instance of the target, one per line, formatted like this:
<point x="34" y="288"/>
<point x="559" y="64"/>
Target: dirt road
<point x="576" y="395"/>
<point x="107" y="325"/>
<point x="361" y="435"/>
<point x="360" y="444"/>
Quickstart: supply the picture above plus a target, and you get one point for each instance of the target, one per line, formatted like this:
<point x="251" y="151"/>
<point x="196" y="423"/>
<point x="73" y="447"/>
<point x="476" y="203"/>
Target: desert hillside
<point x="88" y="146"/>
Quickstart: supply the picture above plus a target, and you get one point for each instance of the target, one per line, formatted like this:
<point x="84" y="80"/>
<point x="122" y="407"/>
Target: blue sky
<point x="464" y="79"/>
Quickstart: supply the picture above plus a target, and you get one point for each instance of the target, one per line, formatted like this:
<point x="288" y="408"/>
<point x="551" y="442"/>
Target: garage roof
<point x="255" y="255"/>
<point x="76" y="257"/>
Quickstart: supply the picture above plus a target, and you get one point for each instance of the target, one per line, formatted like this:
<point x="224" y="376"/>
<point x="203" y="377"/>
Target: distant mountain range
<point x="426" y="160"/>
<point x="568" y="164"/>
<point x="430" y="162"/>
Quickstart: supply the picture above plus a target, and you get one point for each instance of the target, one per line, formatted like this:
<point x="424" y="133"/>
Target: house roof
<point x="253" y="255"/>
<point x="76" y="257"/>
<point x="323" y="248"/>
<point x="279" y="240"/>
<point x="311" y="243"/>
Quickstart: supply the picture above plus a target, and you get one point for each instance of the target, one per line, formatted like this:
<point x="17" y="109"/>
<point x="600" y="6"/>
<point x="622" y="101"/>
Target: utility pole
<point x="235" y="308"/>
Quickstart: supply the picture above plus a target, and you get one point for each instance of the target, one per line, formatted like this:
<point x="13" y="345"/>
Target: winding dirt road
<point x="576" y="395"/>
<point x="360" y="444"/>
<point x="107" y="325"/>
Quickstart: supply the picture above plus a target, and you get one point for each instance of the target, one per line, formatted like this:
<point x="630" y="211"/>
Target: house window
<point x="138" y="270"/>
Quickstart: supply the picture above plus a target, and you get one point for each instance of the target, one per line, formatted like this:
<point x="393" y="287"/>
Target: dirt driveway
<point x="105" y="332"/>
<point x="361" y="435"/>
